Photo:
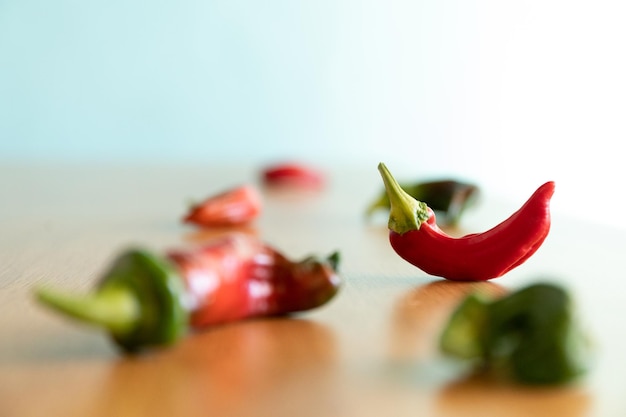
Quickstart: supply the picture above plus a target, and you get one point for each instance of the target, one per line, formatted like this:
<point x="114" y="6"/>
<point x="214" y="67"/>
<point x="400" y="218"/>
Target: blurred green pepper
<point x="530" y="335"/>
<point x="447" y="197"/>
<point x="139" y="300"/>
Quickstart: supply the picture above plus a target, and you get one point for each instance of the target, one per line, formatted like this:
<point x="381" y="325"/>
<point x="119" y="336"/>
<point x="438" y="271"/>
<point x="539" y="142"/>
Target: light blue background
<point x="507" y="93"/>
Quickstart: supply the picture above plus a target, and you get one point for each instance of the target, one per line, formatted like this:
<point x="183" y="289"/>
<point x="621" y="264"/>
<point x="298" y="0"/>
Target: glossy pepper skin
<point x="237" y="276"/>
<point x="415" y="236"/>
<point x="147" y="300"/>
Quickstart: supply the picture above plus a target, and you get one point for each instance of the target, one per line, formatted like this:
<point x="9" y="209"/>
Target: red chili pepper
<point x="148" y="300"/>
<point x="229" y="208"/>
<point x="237" y="276"/>
<point x="293" y="174"/>
<point x="415" y="236"/>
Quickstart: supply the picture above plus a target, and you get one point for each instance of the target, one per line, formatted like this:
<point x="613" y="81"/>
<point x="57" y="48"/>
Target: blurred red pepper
<point x="149" y="300"/>
<point x="293" y="174"/>
<point x="232" y="207"/>
<point x="238" y="276"/>
<point x="415" y="236"/>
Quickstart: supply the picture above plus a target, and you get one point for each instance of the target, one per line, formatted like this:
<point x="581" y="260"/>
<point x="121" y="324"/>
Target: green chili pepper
<point x="449" y="198"/>
<point x="530" y="335"/>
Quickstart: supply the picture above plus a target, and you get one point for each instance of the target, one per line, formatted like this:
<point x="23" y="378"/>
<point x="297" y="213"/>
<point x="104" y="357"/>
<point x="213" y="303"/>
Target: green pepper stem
<point x="114" y="308"/>
<point x="333" y="260"/>
<point x="406" y="213"/>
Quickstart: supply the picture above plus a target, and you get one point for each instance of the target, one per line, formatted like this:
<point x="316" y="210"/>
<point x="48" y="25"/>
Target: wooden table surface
<point x="370" y="352"/>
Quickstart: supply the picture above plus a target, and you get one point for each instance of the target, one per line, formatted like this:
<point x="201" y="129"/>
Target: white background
<point x="509" y="94"/>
